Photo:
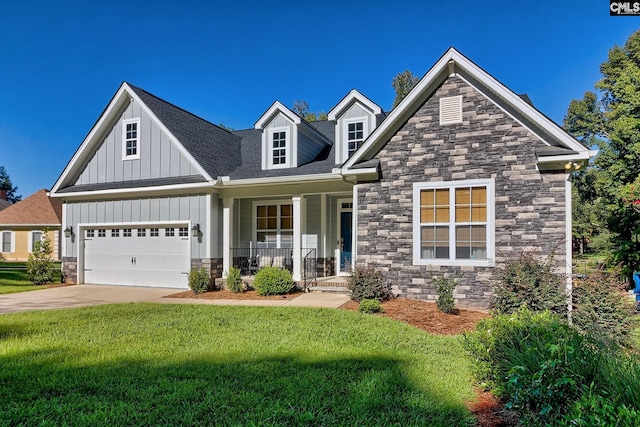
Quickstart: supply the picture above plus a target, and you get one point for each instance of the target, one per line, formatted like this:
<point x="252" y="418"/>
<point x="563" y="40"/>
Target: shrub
<point x="370" y="306"/>
<point x="530" y="282"/>
<point x="234" y="280"/>
<point x="594" y="410"/>
<point x="602" y="308"/>
<point x="273" y="281"/>
<point x="535" y="361"/>
<point x="444" y="288"/>
<point x="368" y="282"/>
<point x="199" y="280"/>
<point x="39" y="264"/>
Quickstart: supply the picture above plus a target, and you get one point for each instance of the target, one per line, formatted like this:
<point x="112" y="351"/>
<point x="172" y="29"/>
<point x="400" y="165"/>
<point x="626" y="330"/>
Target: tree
<point x="5" y="184"/>
<point x="40" y="264"/>
<point x="403" y="83"/>
<point x="301" y="108"/>
<point x="612" y="121"/>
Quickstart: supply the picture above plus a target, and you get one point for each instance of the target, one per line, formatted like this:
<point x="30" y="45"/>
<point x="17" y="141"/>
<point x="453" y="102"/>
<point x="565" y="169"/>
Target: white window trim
<point x="451" y="102"/>
<point x="124" y="139"/>
<point x="30" y="239"/>
<point x="491" y="223"/>
<point x="345" y="133"/>
<point x="287" y="147"/>
<point x="254" y="220"/>
<point x="12" y="237"/>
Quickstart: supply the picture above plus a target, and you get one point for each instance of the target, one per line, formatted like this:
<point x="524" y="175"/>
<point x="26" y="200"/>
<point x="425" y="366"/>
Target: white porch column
<point x="227" y="234"/>
<point x="568" y="241"/>
<point x="297" y="237"/>
<point x="354" y="228"/>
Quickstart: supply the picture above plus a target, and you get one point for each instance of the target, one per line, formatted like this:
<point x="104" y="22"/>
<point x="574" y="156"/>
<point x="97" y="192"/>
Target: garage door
<point x="152" y="256"/>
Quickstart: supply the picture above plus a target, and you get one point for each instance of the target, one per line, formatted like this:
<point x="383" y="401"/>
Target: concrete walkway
<point x="88" y="295"/>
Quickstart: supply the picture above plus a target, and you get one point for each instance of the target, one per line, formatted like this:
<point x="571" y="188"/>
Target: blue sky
<point x="61" y="62"/>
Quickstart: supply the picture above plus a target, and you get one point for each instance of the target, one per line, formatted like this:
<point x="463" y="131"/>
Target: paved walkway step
<point x="323" y="288"/>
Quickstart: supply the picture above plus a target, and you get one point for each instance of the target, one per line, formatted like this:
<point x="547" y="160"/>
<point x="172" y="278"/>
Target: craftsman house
<point x="462" y="173"/>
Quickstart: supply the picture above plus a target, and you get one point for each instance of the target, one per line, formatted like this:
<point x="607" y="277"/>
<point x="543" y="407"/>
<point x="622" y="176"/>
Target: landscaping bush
<point x="273" y="281"/>
<point x="368" y="282"/>
<point x="602" y="308"/>
<point x="40" y="264"/>
<point x="551" y="373"/>
<point x="444" y="288"/>
<point x="370" y="306"/>
<point x="535" y="361"/>
<point x="199" y="280"/>
<point x="530" y="282"/>
<point x="234" y="280"/>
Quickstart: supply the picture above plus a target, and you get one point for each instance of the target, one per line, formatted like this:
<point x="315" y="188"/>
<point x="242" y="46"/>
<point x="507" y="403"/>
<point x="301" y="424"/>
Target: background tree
<point x="5" y="184"/>
<point x="611" y="121"/>
<point x="403" y="83"/>
<point x="301" y="108"/>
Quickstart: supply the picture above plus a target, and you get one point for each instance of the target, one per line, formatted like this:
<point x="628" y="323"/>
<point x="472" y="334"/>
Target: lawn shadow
<point x="47" y="387"/>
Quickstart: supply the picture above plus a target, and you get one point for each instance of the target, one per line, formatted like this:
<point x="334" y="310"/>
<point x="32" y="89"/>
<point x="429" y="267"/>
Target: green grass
<point x="157" y="364"/>
<point x="14" y="278"/>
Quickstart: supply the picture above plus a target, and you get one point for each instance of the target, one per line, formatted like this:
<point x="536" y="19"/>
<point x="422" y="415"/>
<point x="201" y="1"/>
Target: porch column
<point x="297" y="237"/>
<point x="354" y="228"/>
<point x="227" y="234"/>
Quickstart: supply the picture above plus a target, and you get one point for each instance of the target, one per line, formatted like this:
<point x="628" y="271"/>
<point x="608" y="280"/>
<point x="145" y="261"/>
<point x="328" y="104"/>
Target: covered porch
<point x="308" y="234"/>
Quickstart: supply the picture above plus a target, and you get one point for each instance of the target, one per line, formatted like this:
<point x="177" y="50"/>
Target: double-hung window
<point x="7" y="241"/>
<point x="131" y="139"/>
<point x="279" y="142"/>
<point x="355" y="134"/>
<point x="274" y="226"/>
<point x="453" y="223"/>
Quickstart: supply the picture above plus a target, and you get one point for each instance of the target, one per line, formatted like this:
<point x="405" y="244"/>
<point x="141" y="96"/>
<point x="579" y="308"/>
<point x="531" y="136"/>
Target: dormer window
<point x="130" y="139"/>
<point x="355" y="136"/>
<point x="279" y="146"/>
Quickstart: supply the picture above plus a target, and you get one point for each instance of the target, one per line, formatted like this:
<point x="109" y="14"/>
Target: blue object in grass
<point x="636" y="279"/>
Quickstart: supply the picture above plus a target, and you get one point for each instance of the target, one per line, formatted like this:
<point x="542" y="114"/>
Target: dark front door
<point x="345" y="241"/>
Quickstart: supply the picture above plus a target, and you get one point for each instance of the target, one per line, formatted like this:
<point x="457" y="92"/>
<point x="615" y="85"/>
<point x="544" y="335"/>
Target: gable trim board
<point x="380" y="178"/>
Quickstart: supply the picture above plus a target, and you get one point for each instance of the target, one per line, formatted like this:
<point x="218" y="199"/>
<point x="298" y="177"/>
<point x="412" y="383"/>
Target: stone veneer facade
<point x="212" y="265"/>
<point x="529" y="204"/>
<point x="70" y="270"/>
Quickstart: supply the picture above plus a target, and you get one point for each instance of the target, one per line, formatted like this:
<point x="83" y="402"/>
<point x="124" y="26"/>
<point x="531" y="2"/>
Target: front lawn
<point x="161" y="364"/>
<point x="14" y="278"/>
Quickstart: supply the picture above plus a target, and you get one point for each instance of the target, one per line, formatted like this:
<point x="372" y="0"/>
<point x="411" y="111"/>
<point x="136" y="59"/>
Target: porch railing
<point x="309" y="266"/>
<point x="250" y="260"/>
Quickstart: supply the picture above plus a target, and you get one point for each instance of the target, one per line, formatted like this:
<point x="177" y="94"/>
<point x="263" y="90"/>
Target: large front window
<point x="453" y="222"/>
<point x="274" y="226"/>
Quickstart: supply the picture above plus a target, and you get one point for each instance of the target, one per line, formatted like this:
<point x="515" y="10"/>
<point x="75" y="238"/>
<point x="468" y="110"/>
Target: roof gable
<point x="454" y="63"/>
<point x="37" y="209"/>
<point x="210" y="149"/>
<point x="352" y="97"/>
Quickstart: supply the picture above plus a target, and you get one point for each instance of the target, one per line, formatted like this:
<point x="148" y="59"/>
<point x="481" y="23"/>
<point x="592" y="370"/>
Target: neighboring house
<point x="4" y="203"/>
<point x="26" y="222"/>
<point x="462" y="173"/>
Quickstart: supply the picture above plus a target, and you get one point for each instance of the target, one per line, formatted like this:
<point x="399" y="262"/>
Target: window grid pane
<point x="470" y="216"/>
<point x="273" y="223"/>
<point x="279" y="144"/>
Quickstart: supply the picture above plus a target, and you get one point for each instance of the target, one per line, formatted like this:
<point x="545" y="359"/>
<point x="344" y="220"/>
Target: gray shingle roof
<point x="215" y="149"/>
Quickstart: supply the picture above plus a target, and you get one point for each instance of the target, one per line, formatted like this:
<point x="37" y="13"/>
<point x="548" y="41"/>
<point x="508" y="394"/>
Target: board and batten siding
<point x="145" y="210"/>
<point x="159" y="156"/>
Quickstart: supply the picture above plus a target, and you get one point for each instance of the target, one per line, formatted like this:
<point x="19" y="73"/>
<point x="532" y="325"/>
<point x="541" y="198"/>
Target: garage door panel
<point x="139" y="259"/>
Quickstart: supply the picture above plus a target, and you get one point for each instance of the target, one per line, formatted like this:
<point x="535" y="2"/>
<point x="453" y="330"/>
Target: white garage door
<point x="151" y="256"/>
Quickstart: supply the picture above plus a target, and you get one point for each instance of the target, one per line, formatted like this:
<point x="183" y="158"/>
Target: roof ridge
<point x="134" y="87"/>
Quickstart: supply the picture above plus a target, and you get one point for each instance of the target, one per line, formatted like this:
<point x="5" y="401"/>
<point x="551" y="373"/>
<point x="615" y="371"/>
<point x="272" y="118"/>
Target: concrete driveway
<point x="88" y="295"/>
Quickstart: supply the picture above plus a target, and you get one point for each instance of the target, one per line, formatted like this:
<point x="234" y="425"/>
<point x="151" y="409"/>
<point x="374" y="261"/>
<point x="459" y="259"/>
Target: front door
<point x="345" y="240"/>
